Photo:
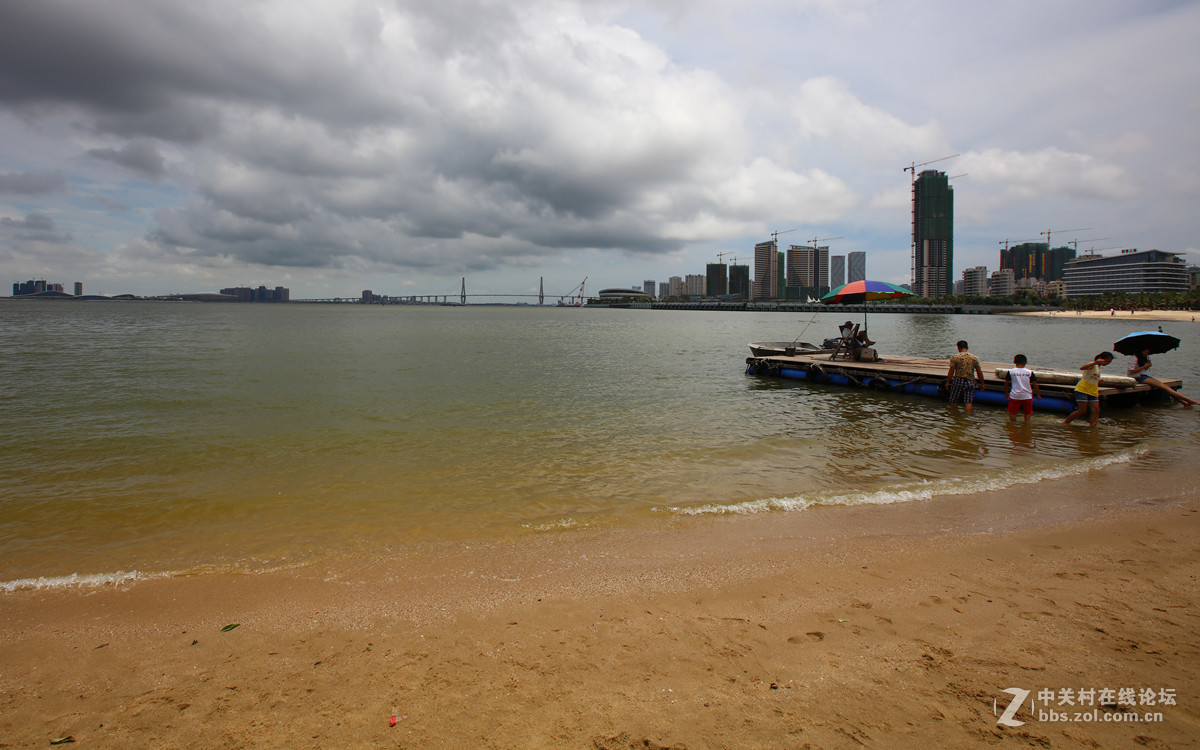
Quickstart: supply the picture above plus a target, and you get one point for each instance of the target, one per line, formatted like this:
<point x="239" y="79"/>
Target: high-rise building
<point x="975" y="281"/>
<point x="717" y="284"/>
<point x="1131" y="271"/>
<point x="675" y="286"/>
<point x="837" y="271"/>
<point x="808" y="270"/>
<point x="1036" y="260"/>
<point x="694" y="285"/>
<point x="739" y="281"/>
<point x="933" y="235"/>
<point x="766" y="268"/>
<point x="1004" y="284"/>
<point x="648" y="287"/>
<point x="856" y="267"/>
<point x="664" y="289"/>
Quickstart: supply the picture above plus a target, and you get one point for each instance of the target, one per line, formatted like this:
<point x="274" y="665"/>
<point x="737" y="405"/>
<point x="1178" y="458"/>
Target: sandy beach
<point x="822" y="629"/>
<point x="1175" y="315"/>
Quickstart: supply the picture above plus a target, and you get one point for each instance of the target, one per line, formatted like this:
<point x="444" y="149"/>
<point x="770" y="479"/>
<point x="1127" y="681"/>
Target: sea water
<point x="149" y="438"/>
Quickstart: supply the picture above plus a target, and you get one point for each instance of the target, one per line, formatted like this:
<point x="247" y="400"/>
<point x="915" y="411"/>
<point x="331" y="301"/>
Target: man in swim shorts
<point x="958" y="378"/>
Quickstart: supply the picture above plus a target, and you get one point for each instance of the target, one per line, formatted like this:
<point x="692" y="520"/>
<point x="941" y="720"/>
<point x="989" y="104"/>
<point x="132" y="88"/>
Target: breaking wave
<point x="924" y="490"/>
<point x="78" y="581"/>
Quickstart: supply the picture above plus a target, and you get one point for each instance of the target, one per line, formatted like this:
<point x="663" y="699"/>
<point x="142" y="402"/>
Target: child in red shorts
<point x="1022" y="388"/>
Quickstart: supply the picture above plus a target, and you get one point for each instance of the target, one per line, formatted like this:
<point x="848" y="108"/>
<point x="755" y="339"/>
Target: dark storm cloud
<point x="32" y="183"/>
<point x="139" y="156"/>
<point x="31" y="222"/>
<point x="149" y="68"/>
<point x="33" y="228"/>
<point x="318" y="133"/>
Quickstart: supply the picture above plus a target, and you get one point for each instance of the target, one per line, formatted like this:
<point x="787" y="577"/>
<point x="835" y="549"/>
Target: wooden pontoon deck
<point x="927" y="376"/>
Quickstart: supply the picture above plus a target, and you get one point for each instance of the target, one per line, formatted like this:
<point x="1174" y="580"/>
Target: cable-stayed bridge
<point x="573" y="297"/>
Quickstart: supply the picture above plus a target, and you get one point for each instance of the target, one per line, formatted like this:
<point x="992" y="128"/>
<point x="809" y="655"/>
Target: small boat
<point x="786" y="348"/>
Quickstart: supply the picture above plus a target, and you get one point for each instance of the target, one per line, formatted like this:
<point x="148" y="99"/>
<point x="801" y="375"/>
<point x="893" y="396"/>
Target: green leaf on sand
<point x="62" y="740"/>
<point x="227" y="628"/>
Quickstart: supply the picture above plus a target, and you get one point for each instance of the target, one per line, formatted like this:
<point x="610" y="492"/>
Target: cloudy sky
<point x="331" y="146"/>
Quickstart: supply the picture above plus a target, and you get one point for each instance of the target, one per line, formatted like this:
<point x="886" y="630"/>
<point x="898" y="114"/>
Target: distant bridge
<point x="414" y="299"/>
<point x="438" y="299"/>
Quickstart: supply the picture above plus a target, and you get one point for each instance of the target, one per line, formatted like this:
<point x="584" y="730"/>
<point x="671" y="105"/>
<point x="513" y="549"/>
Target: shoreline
<point x="1181" y="316"/>
<point x="832" y="627"/>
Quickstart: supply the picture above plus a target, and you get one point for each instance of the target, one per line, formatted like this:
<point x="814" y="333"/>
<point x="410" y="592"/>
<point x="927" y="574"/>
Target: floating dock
<point x="924" y="376"/>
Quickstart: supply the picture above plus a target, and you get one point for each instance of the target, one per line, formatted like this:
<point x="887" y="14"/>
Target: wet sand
<point x="883" y="626"/>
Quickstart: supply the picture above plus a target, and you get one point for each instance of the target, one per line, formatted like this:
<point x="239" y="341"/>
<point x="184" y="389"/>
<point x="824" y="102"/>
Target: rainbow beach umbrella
<point x="864" y="291"/>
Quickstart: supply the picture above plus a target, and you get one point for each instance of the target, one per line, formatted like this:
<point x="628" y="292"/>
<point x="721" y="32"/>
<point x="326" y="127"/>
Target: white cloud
<point x="825" y="109"/>
<point x="329" y="140"/>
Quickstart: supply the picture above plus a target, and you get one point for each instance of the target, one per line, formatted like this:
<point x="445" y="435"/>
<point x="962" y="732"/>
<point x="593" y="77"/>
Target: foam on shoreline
<point x="925" y="490"/>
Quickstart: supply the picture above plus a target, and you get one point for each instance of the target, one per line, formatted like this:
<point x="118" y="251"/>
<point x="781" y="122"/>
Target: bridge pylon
<point x="464" y="290"/>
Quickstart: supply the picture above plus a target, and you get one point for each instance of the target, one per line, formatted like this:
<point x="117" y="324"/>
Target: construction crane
<point x="912" y="168"/>
<point x="578" y="300"/>
<point x="1015" y="242"/>
<point x="775" y="235"/>
<point x="1075" y="243"/>
<point x="815" y="240"/>
<point x="1048" y="232"/>
<point x="721" y="256"/>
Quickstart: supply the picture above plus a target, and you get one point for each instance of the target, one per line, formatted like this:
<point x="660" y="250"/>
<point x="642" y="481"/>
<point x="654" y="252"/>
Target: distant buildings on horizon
<point x="257" y="294"/>
<point x="43" y="288"/>
<point x="804" y="272"/>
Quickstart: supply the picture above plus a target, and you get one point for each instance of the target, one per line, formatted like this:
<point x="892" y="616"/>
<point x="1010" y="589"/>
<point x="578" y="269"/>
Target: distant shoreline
<point x="1175" y="315"/>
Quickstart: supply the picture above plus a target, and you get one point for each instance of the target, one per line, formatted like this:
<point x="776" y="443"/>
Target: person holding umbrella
<point x="1139" y="346"/>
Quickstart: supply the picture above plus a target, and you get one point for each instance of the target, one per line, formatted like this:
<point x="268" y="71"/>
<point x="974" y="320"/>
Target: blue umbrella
<point x="1136" y="343"/>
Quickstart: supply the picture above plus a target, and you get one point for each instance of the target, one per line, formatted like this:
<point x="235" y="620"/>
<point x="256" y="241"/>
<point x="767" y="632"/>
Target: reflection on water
<point x="168" y="436"/>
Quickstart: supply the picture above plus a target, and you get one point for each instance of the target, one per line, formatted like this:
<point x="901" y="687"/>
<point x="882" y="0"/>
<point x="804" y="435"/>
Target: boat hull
<point x="785" y="348"/>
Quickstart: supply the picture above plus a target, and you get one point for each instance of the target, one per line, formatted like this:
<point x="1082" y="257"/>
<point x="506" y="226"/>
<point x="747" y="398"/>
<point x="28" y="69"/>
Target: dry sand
<point x="714" y="634"/>
<point x="1176" y="315"/>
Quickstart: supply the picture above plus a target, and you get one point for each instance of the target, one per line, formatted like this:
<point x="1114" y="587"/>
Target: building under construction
<point x="933" y="235"/>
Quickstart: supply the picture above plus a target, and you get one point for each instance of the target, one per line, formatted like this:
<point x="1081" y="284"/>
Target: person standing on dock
<point x="1022" y="388"/>
<point x="1087" y="392"/>
<point x="958" y="377"/>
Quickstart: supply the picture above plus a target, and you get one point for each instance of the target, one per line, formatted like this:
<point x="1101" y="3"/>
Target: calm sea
<point x="179" y="437"/>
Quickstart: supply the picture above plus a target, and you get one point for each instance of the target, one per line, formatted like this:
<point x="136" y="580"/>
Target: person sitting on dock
<point x="958" y="377"/>
<point x="854" y="343"/>
<point x="851" y="336"/>
<point x="1138" y="369"/>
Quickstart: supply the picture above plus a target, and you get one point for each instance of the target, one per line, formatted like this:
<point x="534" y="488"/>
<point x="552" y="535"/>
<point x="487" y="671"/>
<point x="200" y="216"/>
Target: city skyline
<point x="338" y="149"/>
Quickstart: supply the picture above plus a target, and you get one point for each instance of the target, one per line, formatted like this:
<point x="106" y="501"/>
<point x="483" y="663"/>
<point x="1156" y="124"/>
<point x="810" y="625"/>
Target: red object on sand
<point x="392" y="723"/>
